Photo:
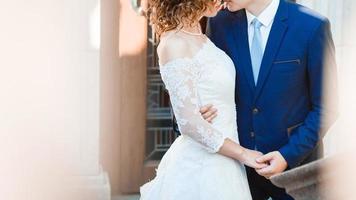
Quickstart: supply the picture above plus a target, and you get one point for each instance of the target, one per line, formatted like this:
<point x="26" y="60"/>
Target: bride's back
<point x="175" y="45"/>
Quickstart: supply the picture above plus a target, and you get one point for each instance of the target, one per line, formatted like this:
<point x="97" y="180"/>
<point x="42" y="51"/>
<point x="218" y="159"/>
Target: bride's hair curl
<point x="166" y="15"/>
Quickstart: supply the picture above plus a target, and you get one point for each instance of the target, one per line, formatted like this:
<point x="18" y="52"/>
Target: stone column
<point x="49" y="108"/>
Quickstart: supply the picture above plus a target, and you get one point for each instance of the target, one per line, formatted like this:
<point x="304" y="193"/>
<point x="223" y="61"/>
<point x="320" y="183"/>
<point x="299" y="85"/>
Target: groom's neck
<point x="257" y="6"/>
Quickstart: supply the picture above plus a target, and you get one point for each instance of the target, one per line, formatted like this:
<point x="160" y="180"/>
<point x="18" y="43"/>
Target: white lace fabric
<point x="180" y="77"/>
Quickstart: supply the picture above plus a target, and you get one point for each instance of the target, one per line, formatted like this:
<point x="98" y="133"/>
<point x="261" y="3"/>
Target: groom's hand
<point x="208" y="112"/>
<point x="277" y="164"/>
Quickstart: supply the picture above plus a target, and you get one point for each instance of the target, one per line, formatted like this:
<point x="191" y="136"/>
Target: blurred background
<point x="83" y="111"/>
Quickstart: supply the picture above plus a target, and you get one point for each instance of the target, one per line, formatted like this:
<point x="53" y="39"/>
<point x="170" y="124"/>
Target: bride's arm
<point x="180" y="78"/>
<point x="246" y="156"/>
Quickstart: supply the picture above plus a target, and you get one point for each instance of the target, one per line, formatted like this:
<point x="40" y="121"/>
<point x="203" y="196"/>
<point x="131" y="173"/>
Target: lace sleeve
<point x="180" y="78"/>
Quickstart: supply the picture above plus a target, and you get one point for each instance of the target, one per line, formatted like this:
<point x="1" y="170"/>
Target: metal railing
<point x="159" y="130"/>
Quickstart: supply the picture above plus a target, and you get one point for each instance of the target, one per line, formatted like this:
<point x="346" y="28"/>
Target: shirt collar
<point x="267" y="15"/>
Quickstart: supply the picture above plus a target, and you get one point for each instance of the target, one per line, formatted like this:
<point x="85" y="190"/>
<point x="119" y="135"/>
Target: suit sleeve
<point x="322" y="82"/>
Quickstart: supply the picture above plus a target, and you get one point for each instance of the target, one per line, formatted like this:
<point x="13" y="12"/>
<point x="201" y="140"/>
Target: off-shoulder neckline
<point x="191" y="58"/>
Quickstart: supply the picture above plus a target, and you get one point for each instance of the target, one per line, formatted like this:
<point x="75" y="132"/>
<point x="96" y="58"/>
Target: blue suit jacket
<point x="294" y="101"/>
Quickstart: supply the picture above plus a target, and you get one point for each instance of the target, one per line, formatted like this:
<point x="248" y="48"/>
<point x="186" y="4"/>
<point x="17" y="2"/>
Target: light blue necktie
<point x="256" y="49"/>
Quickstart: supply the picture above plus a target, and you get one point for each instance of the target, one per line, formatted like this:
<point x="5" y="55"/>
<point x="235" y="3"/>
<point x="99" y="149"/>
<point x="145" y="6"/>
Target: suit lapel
<point x="275" y="39"/>
<point x="240" y="34"/>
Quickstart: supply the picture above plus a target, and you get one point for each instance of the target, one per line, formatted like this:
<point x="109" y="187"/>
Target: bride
<point x="206" y="162"/>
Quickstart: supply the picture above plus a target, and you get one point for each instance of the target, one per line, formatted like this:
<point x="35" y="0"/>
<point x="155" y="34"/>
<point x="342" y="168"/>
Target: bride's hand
<point x="248" y="157"/>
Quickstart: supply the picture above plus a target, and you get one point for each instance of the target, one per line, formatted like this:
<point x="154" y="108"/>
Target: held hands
<point x="249" y="158"/>
<point x="276" y="164"/>
<point x="265" y="165"/>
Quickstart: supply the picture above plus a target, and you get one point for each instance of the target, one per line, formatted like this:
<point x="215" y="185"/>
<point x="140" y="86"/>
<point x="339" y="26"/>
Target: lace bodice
<point x="207" y="77"/>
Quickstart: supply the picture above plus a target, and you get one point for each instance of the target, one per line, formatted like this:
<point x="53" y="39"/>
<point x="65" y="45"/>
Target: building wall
<point x="110" y="92"/>
<point x="123" y="94"/>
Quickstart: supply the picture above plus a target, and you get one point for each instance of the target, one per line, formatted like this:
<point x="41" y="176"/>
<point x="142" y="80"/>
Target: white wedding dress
<point x="191" y="169"/>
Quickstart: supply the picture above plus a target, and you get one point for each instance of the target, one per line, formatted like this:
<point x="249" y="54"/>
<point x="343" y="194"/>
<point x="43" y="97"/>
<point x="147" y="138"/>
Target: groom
<point x="286" y="92"/>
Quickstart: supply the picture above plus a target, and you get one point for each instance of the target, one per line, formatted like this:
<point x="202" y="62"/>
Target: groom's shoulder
<point x="305" y="15"/>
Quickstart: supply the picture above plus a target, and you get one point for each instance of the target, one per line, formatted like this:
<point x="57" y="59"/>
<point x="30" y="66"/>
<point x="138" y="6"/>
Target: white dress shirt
<point x="266" y="18"/>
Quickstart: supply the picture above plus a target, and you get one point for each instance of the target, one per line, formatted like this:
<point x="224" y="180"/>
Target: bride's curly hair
<point x="166" y="15"/>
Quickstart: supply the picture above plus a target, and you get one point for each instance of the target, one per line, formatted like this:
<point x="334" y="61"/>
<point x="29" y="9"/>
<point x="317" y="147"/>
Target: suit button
<point x="255" y="111"/>
<point x="252" y="134"/>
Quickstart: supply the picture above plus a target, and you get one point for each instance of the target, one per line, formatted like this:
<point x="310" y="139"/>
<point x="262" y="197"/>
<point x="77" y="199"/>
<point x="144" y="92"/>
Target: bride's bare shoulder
<point x="173" y="46"/>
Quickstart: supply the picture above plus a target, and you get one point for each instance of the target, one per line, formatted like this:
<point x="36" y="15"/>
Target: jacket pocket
<point x="291" y="128"/>
<point x="297" y="61"/>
